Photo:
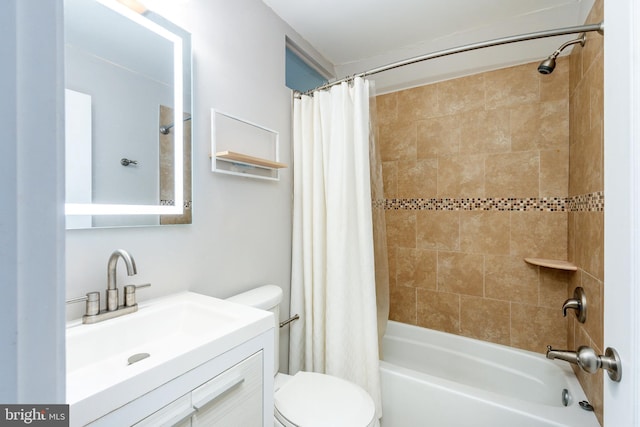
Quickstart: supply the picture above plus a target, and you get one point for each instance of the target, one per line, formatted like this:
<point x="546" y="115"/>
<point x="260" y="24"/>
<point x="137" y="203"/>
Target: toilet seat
<point x="311" y="399"/>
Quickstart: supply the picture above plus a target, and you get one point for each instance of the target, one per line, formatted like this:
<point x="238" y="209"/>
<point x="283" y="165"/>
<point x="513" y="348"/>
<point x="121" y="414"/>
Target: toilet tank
<point x="267" y="297"/>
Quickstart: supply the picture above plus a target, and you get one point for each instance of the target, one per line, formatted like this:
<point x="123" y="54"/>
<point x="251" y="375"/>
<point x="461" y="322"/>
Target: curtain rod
<point x="474" y="46"/>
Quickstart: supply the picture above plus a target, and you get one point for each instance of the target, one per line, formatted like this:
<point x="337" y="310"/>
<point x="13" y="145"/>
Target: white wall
<point x="241" y="231"/>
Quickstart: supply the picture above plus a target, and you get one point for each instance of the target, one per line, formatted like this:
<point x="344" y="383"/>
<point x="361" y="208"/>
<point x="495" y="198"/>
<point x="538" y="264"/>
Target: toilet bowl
<point x="309" y="399"/>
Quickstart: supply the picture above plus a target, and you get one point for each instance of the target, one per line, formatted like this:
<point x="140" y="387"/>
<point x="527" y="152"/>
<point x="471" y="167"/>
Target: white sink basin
<point x="178" y="332"/>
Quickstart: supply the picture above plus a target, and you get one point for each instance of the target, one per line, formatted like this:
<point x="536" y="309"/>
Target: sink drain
<point x="137" y="357"/>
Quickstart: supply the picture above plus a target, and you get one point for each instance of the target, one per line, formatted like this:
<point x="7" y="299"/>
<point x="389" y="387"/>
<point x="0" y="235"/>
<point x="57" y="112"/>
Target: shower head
<point x="548" y="65"/>
<point x="166" y="129"/>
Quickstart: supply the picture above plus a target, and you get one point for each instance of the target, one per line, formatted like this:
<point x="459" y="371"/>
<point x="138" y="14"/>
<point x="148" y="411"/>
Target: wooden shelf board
<point x="552" y="263"/>
<point x="250" y="160"/>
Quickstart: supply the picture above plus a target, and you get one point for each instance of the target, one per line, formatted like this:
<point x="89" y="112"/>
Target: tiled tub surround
<point x="476" y="174"/>
<point x="482" y="171"/>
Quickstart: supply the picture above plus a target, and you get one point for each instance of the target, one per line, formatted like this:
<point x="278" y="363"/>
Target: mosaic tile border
<point x="593" y="202"/>
<point x="170" y="202"/>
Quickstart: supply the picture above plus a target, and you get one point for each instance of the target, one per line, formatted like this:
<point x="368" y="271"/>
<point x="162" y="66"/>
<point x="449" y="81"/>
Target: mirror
<point x="128" y="121"/>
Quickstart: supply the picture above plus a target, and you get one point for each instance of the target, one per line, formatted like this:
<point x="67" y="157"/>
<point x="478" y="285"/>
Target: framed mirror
<point x="128" y="117"/>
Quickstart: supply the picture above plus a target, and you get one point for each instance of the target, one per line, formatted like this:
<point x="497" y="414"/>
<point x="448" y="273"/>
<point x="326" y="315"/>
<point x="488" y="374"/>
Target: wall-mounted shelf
<point x="244" y="149"/>
<point x="552" y="263"/>
<point x="230" y="156"/>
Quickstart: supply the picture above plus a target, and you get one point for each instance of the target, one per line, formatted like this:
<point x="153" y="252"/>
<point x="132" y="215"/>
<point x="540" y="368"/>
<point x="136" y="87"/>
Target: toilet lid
<point x="317" y="400"/>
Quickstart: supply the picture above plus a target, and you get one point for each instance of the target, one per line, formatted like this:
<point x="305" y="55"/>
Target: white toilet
<point x="309" y="399"/>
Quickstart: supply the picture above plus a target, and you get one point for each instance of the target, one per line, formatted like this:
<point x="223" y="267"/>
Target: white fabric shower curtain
<point x="333" y="273"/>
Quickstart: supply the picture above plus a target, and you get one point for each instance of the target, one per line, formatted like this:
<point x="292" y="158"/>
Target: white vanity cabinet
<point x="234" y="389"/>
<point x="233" y="398"/>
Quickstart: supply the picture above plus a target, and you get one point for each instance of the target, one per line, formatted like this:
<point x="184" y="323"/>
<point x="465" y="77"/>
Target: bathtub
<point x="431" y="378"/>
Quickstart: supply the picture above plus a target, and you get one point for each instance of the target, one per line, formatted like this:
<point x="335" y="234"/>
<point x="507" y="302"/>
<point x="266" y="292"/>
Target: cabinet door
<point x="178" y="413"/>
<point x="233" y="398"/>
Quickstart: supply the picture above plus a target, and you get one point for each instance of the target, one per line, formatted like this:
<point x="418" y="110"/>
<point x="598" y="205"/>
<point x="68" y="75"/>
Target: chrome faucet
<point x="112" y="289"/>
<point x="589" y="361"/>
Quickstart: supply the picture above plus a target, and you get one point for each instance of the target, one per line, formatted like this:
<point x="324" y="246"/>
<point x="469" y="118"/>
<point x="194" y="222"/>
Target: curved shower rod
<point x="474" y="46"/>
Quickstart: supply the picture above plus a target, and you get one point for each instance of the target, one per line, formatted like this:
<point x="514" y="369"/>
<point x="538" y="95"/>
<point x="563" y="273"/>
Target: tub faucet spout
<point x="566" y="355"/>
<point x="585" y="357"/>
<point x="590" y="361"/>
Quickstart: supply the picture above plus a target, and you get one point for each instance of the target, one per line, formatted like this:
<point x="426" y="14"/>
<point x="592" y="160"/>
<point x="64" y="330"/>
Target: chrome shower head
<point x="548" y="65"/>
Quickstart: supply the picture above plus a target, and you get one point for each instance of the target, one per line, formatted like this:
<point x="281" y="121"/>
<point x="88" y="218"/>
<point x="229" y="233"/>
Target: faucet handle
<point x="130" y="293"/>
<point x="92" y="306"/>
<point x="577" y="303"/>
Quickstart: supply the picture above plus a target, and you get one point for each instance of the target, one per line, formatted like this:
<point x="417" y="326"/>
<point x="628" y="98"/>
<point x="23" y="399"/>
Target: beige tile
<point x="540" y="126"/>
<point x="554" y="173"/>
<point x="417" y="103"/>
<point x="586" y="174"/>
<point x="398" y="141"/>
<point x="439" y="310"/>
<point x="485" y="131"/>
<point x="402" y="304"/>
<point x="512" y="174"/>
<point x="539" y="234"/>
<point x="390" y="179"/>
<point x="461" y="94"/>
<point x="589" y="242"/>
<point x="553" y="287"/>
<point x="594" y="325"/>
<point x="401" y="228"/>
<point x="386" y="108"/>
<point x="485" y="319"/>
<point x="417" y="268"/>
<point x="533" y="328"/>
<point x="460" y="273"/>
<point x="512" y="86"/>
<point x="438" y="230"/>
<point x="484" y="232"/>
<point x="417" y="179"/>
<point x="595" y="79"/>
<point x="461" y="176"/>
<point x="555" y="86"/>
<point x="571" y="337"/>
<point x="510" y="279"/>
<point x="575" y="68"/>
<point x="580" y="110"/>
<point x="571" y="236"/>
<point x="438" y="136"/>
<point x="391" y="259"/>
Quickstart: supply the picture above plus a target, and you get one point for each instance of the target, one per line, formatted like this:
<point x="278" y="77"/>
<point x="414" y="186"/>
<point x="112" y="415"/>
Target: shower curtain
<point x="333" y="270"/>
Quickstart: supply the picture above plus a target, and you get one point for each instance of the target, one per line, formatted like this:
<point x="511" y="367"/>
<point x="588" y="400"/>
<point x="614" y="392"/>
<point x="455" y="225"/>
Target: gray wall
<point x="241" y="231"/>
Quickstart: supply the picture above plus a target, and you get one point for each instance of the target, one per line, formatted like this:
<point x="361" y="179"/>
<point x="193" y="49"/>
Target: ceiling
<point x="357" y="35"/>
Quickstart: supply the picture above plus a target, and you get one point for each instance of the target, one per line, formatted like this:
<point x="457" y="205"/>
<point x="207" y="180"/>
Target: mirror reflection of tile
<point x="167" y="169"/>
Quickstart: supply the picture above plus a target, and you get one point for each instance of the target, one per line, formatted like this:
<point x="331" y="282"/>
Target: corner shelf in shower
<point x="552" y="263"/>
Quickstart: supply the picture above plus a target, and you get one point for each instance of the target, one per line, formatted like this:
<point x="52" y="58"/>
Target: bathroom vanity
<point x="186" y="359"/>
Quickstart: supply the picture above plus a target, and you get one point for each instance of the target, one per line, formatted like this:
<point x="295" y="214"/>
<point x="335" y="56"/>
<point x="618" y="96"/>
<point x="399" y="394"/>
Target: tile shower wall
<point x="476" y="174"/>
<point x="586" y="179"/>
<point x="483" y="171"/>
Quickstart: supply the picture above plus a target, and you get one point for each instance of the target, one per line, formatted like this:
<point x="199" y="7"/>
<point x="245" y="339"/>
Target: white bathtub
<point x="431" y="378"/>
